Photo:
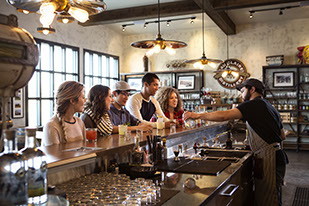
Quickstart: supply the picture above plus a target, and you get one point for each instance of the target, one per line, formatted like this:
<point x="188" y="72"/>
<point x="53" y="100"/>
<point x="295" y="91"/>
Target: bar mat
<point x="170" y="165"/>
<point x="301" y="197"/>
<point x="166" y="195"/>
<point x="204" y="167"/>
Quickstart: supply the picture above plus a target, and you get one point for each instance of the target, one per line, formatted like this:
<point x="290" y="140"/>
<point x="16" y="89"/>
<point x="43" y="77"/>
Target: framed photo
<point x="135" y="83"/>
<point x="17" y="105"/>
<point x="186" y="82"/>
<point x="284" y="79"/>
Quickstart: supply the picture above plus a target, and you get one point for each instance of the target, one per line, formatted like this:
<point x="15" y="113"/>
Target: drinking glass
<point x="122" y="130"/>
<point x="173" y="126"/>
<point x="139" y="133"/>
<point x="128" y="136"/>
<point x="91" y="134"/>
<point x="160" y="123"/>
<point x="176" y="153"/>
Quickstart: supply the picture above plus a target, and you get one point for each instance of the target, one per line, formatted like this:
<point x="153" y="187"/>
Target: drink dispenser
<point x="19" y="56"/>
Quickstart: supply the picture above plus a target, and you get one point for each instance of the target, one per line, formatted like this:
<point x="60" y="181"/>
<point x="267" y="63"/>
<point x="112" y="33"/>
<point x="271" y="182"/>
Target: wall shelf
<point x="301" y="141"/>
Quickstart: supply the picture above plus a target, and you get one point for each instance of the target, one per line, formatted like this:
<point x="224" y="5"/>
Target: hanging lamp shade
<point x="159" y="43"/>
<point x="200" y="63"/>
<point x="67" y="10"/>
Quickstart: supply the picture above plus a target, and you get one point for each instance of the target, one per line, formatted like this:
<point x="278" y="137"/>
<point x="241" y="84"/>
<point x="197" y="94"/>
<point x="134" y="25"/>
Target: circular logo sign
<point x="231" y="73"/>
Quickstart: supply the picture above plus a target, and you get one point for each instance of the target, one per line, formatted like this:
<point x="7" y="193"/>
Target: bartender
<point x="265" y="133"/>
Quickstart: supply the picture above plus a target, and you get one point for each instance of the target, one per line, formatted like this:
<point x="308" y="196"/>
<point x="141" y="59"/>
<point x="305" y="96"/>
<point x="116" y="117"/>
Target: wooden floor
<point x="297" y="175"/>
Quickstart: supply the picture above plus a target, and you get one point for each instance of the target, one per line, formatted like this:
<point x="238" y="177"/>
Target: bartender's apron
<point x="265" y="177"/>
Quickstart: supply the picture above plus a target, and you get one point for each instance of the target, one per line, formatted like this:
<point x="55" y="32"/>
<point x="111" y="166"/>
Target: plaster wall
<point x="251" y="45"/>
<point x="96" y="38"/>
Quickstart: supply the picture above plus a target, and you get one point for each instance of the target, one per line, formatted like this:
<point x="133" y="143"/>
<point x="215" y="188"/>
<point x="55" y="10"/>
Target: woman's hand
<point x="145" y="127"/>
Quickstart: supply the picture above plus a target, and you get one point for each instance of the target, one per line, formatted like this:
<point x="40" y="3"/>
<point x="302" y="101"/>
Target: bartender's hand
<point x="145" y="127"/>
<point x="192" y="115"/>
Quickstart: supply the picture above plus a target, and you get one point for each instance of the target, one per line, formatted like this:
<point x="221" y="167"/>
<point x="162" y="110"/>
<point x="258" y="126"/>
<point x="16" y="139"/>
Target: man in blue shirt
<point x="118" y="114"/>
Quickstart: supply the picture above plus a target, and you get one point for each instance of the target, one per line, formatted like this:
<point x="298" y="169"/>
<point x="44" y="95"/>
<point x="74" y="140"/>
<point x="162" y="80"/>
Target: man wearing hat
<point x="118" y="114"/>
<point x="265" y="133"/>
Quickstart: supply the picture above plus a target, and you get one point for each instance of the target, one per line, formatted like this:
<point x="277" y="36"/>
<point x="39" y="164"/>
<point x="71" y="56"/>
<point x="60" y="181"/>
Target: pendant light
<point x="66" y="10"/>
<point x="159" y="43"/>
<point x="200" y="63"/>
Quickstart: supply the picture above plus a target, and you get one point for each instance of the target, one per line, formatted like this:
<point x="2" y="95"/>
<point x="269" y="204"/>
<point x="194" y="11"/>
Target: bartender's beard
<point x="247" y="97"/>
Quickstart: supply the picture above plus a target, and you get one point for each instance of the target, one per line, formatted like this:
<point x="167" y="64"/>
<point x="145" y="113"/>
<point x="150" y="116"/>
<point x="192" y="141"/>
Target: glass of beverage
<point x="173" y="126"/>
<point x="176" y="153"/>
<point x="139" y="133"/>
<point x="91" y="134"/>
<point x="122" y="129"/>
<point x="160" y="123"/>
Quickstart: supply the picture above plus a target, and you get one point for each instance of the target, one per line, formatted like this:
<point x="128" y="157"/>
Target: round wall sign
<point x="306" y="54"/>
<point x="231" y="73"/>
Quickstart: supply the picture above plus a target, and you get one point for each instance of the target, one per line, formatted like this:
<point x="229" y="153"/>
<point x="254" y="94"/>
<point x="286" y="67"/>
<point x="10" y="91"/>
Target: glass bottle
<point x="137" y="154"/>
<point x="164" y="149"/>
<point x="35" y="161"/>
<point x="20" y="138"/>
<point x="13" y="184"/>
<point x="159" y="150"/>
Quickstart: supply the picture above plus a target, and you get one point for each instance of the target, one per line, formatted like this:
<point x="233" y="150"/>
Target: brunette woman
<point x="64" y="126"/>
<point x="171" y="103"/>
<point x="96" y="108"/>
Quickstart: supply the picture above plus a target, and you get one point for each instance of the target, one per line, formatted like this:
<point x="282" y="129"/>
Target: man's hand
<point x="145" y="127"/>
<point x="192" y="115"/>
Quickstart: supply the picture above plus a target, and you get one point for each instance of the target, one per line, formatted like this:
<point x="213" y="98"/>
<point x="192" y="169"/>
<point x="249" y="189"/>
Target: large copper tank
<point x="19" y="56"/>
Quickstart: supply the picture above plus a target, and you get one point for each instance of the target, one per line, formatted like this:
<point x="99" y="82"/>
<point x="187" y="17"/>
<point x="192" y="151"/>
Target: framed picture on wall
<point x="283" y="79"/>
<point x="135" y="83"/>
<point x="186" y="82"/>
<point x="17" y="105"/>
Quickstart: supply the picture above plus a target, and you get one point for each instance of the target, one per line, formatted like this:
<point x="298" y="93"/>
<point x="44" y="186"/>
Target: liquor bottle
<point x="35" y="161"/>
<point x="20" y="138"/>
<point x="164" y="149"/>
<point x="229" y="143"/>
<point x="159" y="150"/>
<point x="137" y="154"/>
<point x="13" y="182"/>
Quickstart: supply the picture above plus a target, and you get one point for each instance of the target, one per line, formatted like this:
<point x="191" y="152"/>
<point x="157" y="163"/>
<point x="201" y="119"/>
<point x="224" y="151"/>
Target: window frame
<point x="101" y="54"/>
<point x="40" y="98"/>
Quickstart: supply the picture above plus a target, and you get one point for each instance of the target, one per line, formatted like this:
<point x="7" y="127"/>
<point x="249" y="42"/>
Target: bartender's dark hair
<point x="96" y="100"/>
<point x="258" y="90"/>
<point x="149" y="77"/>
<point x="163" y="95"/>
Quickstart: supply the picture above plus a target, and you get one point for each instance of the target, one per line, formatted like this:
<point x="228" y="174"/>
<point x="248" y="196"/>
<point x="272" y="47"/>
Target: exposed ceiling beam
<point x="222" y="20"/>
<point x="143" y="12"/>
<point x="239" y="4"/>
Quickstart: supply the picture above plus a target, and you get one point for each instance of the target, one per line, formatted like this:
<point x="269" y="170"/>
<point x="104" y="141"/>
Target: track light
<point x="145" y="26"/>
<point x="281" y="12"/>
<point x="168" y="22"/>
<point x="192" y="20"/>
<point x="123" y="28"/>
<point x="251" y="14"/>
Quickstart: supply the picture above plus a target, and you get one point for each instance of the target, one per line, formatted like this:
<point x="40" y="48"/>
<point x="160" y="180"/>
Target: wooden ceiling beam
<point x="220" y="18"/>
<point x="239" y="4"/>
<point x="143" y="12"/>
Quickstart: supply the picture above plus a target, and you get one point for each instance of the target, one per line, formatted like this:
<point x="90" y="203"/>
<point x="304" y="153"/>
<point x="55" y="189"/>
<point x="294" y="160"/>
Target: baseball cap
<point x="122" y="86"/>
<point x="252" y="82"/>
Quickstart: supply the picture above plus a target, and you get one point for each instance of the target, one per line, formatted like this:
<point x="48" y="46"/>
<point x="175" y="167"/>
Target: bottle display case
<point x="287" y="88"/>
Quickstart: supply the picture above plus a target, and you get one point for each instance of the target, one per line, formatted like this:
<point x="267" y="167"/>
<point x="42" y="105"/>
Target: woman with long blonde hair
<point x="171" y="103"/>
<point x="64" y="126"/>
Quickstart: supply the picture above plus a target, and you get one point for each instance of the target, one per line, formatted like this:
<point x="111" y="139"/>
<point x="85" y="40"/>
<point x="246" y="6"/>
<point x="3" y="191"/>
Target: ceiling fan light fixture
<point x="46" y="30"/>
<point x="66" y="19"/>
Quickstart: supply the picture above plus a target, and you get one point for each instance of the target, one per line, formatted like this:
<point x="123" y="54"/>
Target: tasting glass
<point x="176" y="153"/>
<point x="91" y="134"/>
<point x="173" y="126"/>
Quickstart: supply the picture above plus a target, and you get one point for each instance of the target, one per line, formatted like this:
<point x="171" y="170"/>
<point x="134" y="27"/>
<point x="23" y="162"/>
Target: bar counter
<point x="65" y="159"/>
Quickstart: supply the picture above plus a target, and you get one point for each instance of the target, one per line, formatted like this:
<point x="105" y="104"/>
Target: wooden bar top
<point x="82" y="150"/>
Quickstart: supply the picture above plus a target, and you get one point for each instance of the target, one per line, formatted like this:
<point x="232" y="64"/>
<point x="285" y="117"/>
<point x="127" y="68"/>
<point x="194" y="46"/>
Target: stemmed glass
<point x="176" y="153"/>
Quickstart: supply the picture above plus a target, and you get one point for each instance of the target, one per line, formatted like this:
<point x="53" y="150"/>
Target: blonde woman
<point x="64" y="127"/>
<point x="96" y="108"/>
<point x="170" y="103"/>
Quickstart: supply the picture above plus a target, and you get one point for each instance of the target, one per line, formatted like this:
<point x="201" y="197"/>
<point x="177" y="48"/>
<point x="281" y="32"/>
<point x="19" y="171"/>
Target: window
<point x="100" y="68"/>
<point x="57" y="64"/>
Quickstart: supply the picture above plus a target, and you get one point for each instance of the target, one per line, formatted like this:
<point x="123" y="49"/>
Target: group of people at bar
<point x="106" y="109"/>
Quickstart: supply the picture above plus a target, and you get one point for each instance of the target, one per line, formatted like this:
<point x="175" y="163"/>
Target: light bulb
<point x="157" y="48"/>
<point x="25" y="12"/>
<point x="198" y="65"/>
<point x="65" y="21"/>
<point x="48" y="8"/>
<point x="150" y="52"/>
<point x="235" y="74"/>
<point x="170" y="51"/>
<point x="212" y="64"/>
<point x="45" y="31"/>
<point x="79" y="14"/>
<point x="224" y="74"/>
<point x="47" y="19"/>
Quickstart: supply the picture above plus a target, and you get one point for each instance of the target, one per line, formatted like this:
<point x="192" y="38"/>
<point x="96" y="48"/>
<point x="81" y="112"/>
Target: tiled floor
<point x="297" y="175"/>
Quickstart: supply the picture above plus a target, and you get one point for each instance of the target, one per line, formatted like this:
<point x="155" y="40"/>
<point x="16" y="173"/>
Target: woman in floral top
<point x="171" y="103"/>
